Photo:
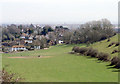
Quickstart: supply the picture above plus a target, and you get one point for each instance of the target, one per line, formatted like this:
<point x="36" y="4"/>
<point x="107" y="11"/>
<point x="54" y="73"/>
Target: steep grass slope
<point x="102" y="46"/>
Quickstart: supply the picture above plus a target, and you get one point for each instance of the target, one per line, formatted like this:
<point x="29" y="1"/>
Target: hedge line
<point x="99" y="55"/>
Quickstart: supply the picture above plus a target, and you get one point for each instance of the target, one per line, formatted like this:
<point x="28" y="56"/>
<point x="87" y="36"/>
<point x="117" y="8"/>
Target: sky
<point x="57" y="11"/>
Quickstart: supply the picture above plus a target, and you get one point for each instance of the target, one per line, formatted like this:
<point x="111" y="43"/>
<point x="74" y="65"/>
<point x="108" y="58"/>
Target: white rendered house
<point x="18" y="47"/>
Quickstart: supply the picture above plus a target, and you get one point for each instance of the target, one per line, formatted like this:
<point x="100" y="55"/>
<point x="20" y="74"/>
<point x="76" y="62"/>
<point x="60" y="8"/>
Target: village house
<point x="18" y="48"/>
<point x="27" y="38"/>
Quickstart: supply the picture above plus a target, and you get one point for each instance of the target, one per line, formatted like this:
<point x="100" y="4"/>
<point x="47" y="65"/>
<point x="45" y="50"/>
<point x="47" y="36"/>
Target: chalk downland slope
<point x="102" y="46"/>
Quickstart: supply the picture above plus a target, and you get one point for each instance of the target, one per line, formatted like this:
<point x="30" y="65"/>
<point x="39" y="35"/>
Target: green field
<point x="61" y="66"/>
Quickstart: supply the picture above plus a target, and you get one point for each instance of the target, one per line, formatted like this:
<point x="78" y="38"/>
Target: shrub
<point x="117" y="44"/>
<point x="76" y="49"/>
<point x="114" y="51"/>
<point x="89" y="52"/>
<point x="103" y="56"/>
<point x="94" y="53"/>
<point x="108" y="40"/>
<point x="38" y="55"/>
<point x="118" y="64"/>
<point x="83" y="50"/>
<point x="9" y="77"/>
<point x="111" y="44"/>
<point x="114" y="60"/>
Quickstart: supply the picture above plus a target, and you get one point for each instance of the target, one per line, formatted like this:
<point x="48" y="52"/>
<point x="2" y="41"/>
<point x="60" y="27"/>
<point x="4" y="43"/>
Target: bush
<point x="76" y="49"/>
<point x="111" y="44"/>
<point x="118" y="65"/>
<point x="38" y="55"/>
<point x="103" y="56"/>
<point x="92" y="52"/>
<point x="114" y="51"/>
<point x="114" y="60"/>
<point x="89" y="52"/>
<point x="117" y="44"/>
<point x="9" y="77"/>
<point x="108" y="40"/>
<point x="83" y="50"/>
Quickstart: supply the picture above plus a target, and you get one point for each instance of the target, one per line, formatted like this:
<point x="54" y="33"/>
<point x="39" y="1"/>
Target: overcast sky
<point x="57" y="11"/>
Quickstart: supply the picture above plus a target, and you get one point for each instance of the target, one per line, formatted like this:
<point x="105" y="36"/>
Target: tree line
<point x="90" y="32"/>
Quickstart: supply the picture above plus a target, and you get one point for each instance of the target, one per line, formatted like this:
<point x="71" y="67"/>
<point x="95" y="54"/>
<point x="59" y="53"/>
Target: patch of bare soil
<point x="46" y="48"/>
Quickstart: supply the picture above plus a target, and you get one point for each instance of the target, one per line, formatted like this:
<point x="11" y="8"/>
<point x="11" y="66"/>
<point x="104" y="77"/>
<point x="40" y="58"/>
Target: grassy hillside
<point x="102" y="46"/>
<point x="61" y="66"/>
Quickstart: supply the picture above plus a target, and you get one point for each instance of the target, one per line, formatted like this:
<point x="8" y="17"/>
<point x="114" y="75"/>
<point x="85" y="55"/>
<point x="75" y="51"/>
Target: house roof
<point x="15" y="46"/>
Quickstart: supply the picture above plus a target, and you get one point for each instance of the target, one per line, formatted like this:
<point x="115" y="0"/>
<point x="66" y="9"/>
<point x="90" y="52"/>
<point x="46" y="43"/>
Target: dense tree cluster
<point x="10" y="33"/>
<point x="46" y="29"/>
<point x="90" y="32"/>
<point x="87" y="33"/>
